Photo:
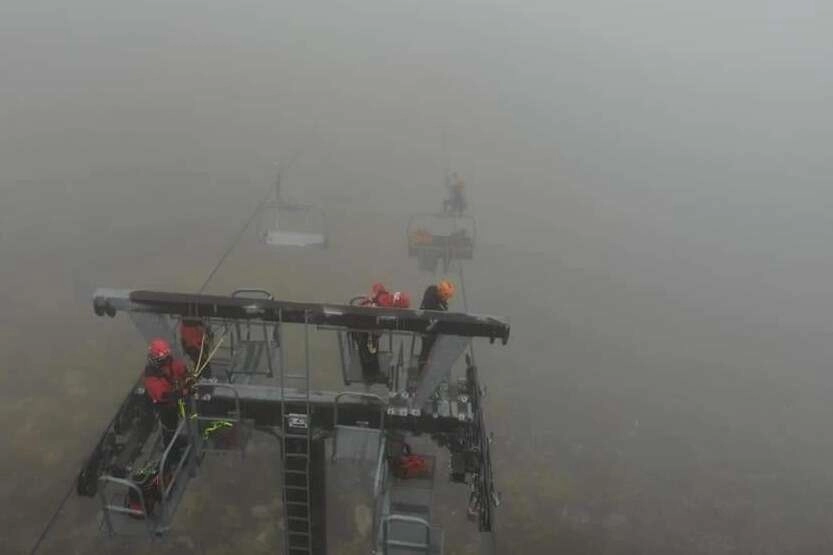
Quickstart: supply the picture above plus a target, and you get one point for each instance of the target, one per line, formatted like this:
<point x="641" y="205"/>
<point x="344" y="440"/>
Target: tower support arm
<point x="111" y="301"/>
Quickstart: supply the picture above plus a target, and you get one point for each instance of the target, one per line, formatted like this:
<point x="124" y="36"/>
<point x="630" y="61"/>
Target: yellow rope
<point x="214" y="426"/>
<point x="199" y="370"/>
<point x="202" y="346"/>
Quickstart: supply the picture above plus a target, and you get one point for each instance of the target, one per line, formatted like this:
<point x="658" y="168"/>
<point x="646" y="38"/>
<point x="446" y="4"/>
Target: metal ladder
<point x="297" y="429"/>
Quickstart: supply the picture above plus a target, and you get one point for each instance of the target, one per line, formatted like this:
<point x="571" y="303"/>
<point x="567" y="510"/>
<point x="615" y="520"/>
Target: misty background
<point x="651" y="184"/>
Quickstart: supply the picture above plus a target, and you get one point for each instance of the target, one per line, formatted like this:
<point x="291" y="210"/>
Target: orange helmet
<point x="446" y="289"/>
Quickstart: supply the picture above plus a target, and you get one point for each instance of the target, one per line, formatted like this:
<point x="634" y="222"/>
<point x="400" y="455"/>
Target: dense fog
<point x="651" y="186"/>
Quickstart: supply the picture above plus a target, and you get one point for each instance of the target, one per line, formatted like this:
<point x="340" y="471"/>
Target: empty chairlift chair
<point x="295" y="225"/>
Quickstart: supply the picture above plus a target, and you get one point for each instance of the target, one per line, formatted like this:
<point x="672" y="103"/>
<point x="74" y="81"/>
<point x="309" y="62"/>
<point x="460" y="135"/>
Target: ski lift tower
<point x="411" y="411"/>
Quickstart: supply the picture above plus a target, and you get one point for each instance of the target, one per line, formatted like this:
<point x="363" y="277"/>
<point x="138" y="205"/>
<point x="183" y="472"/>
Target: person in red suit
<point x="166" y="383"/>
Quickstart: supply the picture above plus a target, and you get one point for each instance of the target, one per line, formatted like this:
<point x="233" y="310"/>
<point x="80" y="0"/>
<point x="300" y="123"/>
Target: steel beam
<point x="111" y="301"/>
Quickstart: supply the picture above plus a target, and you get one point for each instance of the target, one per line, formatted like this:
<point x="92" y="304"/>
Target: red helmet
<point x="401" y="300"/>
<point x="159" y="351"/>
<point x="377" y="289"/>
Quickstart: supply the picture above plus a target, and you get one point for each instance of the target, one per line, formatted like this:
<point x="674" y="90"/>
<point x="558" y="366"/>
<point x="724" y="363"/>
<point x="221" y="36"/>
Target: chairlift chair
<point x="294" y="224"/>
<point x="435" y="237"/>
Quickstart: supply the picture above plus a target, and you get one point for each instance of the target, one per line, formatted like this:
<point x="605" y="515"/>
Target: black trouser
<point x="169" y="419"/>
<point x="369" y="360"/>
<point x="427" y="344"/>
<point x="455" y="204"/>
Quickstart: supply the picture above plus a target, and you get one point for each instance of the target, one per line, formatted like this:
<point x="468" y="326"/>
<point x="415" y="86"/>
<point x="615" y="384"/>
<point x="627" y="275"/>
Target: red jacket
<point x="384" y="298"/>
<point x="191" y="336"/>
<point x="162" y="383"/>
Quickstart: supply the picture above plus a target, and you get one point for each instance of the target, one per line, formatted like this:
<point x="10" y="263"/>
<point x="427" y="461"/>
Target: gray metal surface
<point x="355" y="443"/>
<point x="354" y="318"/>
<point x="250" y="392"/>
<point x="407" y="534"/>
<point x="444" y="353"/>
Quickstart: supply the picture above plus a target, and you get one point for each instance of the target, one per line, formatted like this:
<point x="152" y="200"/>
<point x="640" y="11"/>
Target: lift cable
<point x="491" y="538"/>
<point x="238" y="237"/>
<point x="52" y="520"/>
<point x="272" y="187"/>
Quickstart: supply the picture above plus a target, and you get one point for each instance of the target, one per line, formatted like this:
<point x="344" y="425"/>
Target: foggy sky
<point x="673" y="157"/>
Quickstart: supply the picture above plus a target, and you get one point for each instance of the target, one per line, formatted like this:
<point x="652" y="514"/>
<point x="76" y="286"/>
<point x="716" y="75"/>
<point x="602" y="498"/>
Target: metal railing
<point x="242" y="334"/>
<point x="358" y="395"/>
<point x="107" y="508"/>
<point x="235" y="417"/>
<point x="166" y="489"/>
<point x="406" y="519"/>
<point x="154" y="525"/>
